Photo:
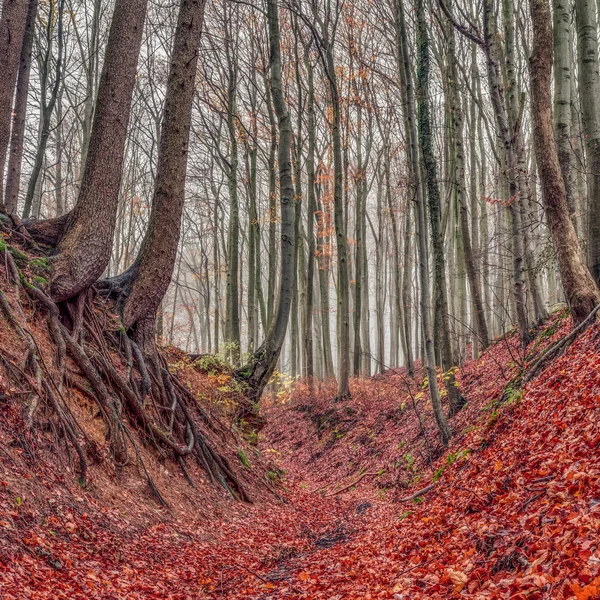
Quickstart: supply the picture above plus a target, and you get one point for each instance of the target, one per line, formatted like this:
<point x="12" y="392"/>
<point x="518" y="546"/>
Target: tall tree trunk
<point x="13" y="21"/>
<point x="232" y="309"/>
<point x="580" y="290"/>
<point x="343" y="283"/>
<point x="46" y="105"/>
<point x="562" y="96"/>
<point x="425" y="295"/>
<point x="589" y="94"/>
<point x="84" y="249"/>
<point x="460" y="191"/>
<point x="311" y="210"/>
<point x="17" y="134"/>
<point x="263" y="362"/>
<point x="433" y="200"/>
<point x="145" y="283"/>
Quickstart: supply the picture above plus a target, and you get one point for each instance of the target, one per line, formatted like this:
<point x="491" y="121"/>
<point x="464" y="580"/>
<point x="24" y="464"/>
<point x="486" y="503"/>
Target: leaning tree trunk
<point x="143" y="286"/>
<point x="84" y="247"/>
<point x="579" y="287"/>
<point x="258" y="371"/>
<point x="17" y="134"/>
<point x="13" y="21"/>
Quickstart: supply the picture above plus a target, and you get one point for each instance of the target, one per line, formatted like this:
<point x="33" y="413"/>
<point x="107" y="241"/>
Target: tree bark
<point x="409" y="101"/>
<point x="145" y="283"/>
<point x="17" y="135"/>
<point x="84" y="249"/>
<point x="433" y="201"/>
<point x="13" y="22"/>
<point x="589" y="94"/>
<point x="580" y="290"/>
<point x="258" y="371"/>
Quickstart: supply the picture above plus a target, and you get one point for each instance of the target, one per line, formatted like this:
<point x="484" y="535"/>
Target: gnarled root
<point x="132" y="393"/>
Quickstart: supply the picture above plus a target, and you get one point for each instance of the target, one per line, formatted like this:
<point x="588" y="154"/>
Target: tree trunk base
<point x="128" y="379"/>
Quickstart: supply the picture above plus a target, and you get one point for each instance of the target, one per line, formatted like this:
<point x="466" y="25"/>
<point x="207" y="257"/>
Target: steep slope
<point x="513" y="512"/>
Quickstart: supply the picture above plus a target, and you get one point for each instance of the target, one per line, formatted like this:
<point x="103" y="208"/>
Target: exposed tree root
<point x="133" y="393"/>
<point x="548" y="356"/>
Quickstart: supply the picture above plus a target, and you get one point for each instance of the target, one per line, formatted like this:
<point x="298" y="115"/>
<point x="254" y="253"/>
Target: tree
<point x="142" y="287"/>
<point x="589" y="93"/>
<point x="86" y="234"/>
<point x="13" y="21"/>
<point x="429" y="172"/>
<point x="580" y="290"/>
<point x="409" y="102"/>
<point x="46" y="104"/>
<point x="257" y="372"/>
<point x="17" y="135"/>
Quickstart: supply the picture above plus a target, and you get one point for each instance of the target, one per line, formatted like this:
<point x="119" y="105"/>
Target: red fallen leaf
<point x="304" y="576"/>
<point x="589" y="592"/>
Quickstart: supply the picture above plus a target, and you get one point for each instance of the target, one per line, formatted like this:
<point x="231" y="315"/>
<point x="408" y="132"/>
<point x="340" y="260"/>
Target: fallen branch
<point x="418" y="494"/>
<point x="350" y="485"/>
<point x="562" y="344"/>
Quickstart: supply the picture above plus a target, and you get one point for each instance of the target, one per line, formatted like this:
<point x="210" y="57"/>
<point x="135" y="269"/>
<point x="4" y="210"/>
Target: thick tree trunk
<point x="13" y="22"/>
<point x="84" y="249"/>
<point x="145" y="283"/>
<point x="580" y="290"/>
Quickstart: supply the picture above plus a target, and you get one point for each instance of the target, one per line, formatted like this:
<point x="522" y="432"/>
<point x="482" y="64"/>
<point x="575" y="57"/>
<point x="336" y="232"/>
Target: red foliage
<point x="515" y="511"/>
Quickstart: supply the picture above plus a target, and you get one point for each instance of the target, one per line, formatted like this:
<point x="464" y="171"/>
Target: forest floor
<point x="514" y="511"/>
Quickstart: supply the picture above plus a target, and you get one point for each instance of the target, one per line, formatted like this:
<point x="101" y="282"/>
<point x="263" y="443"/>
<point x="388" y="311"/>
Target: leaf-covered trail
<point x="514" y="513"/>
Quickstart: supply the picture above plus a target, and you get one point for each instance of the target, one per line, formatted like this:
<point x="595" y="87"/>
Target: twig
<point x="350" y="485"/>
<point x="418" y="494"/>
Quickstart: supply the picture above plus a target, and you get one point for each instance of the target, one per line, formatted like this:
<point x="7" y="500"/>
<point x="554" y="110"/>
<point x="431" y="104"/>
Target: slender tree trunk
<point x="13" y="21"/>
<point x="311" y="209"/>
<point x="426" y="325"/>
<point x="433" y="200"/>
<point x="232" y="310"/>
<point x="17" y="136"/>
<point x="262" y="364"/>
<point x="460" y="191"/>
<point x="46" y="105"/>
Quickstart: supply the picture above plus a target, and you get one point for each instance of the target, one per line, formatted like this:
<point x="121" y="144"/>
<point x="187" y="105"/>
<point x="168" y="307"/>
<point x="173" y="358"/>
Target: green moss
<point x="18" y="255"/>
<point x="40" y="262"/>
<point x="244" y="458"/>
<point x="40" y="281"/>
